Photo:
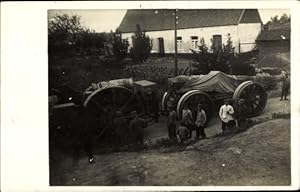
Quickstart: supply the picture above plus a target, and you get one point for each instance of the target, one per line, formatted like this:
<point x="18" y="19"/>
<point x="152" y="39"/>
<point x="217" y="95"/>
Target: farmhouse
<point x="274" y="46"/>
<point x="213" y="26"/>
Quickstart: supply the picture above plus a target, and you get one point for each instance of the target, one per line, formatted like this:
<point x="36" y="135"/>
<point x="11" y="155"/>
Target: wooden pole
<point x="175" y="41"/>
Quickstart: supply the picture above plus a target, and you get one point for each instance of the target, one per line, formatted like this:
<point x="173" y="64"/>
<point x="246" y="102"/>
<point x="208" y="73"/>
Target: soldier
<point x="226" y="115"/>
<point x="200" y="122"/>
<point x="241" y="114"/>
<point x="285" y="85"/>
<point x="84" y="128"/>
<point x="136" y="127"/>
<point x="183" y="133"/>
<point x="120" y="128"/>
<point x="171" y="123"/>
<point x="187" y="119"/>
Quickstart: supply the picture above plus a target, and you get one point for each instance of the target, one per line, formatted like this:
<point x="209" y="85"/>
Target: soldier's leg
<point x="223" y="126"/>
<point x="201" y="130"/>
<point x="88" y="145"/>
<point x="286" y="91"/>
<point x="173" y="132"/>
<point x="197" y="132"/>
<point x="190" y="127"/>
<point x="170" y="131"/>
<point x="282" y="93"/>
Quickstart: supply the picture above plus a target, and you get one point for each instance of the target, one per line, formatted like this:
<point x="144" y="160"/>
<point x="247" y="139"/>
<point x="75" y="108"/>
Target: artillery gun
<point x="211" y="90"/>
<point x="103" y="99"/>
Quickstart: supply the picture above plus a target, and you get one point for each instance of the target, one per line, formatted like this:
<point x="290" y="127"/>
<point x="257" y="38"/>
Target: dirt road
<point x="259" y="156"/>
<point x="159" y="130"/>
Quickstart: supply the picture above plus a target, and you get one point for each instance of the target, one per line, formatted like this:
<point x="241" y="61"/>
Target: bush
<point x="268" y="82"/>
<point x="271" y="70"/>
<point x="120" y="46"/>
<point x="141" y="46"/>
<point x="223" y="59"/>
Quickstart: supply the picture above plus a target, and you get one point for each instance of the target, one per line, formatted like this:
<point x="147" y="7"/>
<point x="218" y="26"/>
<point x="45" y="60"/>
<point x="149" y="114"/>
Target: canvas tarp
<point x="213" y="81"/>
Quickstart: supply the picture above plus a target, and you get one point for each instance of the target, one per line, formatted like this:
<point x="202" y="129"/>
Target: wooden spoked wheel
<point x="105" y="102"/>
<point x="192" y="99"/>
<point x="254" y="95"/>
<point x="169" y="100"/>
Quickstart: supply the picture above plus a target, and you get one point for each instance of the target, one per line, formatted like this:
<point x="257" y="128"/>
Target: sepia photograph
<point x="149" y="96"/>
<point x="169" y="97"/>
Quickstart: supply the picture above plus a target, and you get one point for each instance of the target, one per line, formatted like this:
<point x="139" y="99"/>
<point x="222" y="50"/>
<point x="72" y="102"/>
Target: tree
<point x="274" y="19"/>
<point x="91" y="42"/>
<point x="284" y="18"/>
<point x="223" y="60"/>
<point x="276" y="22"/>
<point x="64" y="32"/>
<point x="141" y="46"/>
<point x="120" y="46"/>
<point x="202" y="47"/>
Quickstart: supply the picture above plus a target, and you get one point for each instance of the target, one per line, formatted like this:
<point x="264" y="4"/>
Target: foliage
<point x="206" y="61"/>
<point x="267" y="81"/>
<point x="120" y="46"/>
<point x="275" y="21"/>
<point x="64" y="33"/>
<point x="141" y="46"/>
<point x="90" y="42"/>
<point x="67" y="36"/>
<point x="271" y="70"/>
<point x="224" y="60"/>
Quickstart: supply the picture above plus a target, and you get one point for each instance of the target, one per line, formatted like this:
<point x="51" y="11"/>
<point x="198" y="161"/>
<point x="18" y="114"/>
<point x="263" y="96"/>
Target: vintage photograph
<point x="169" y="97"/>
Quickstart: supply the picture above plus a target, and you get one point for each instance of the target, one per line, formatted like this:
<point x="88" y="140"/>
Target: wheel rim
<point x="167" y="102"/>
<point x="105" y="102"/>
<point x="192" y="99"/>
<point x="254" y="95"/>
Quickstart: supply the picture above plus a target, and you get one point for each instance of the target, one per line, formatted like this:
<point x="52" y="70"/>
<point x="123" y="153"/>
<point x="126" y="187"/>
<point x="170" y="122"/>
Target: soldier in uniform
<point x="183" y="133"/>
<point x="200" y="122"/>
<point x="84" y="129"/>
<point x="171" y="123"/>
<point x="226" y="113"/>
<point x="241" y="113"/>
<point x="136" y="128"/>
<point x="285" y="85"/>
<point x="187" y="119"/>
<point x="120" y="128"/>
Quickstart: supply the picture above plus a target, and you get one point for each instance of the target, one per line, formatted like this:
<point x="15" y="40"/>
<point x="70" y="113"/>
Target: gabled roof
<point x="274" y="35"/>
<point x="163" y="19"/>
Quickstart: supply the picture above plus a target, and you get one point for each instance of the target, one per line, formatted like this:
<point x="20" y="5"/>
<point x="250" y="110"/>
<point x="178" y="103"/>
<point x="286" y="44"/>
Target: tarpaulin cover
<point x="213" y="81"/>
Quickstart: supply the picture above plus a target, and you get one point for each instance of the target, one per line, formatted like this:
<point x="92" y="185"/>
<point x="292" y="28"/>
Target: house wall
<point x="239" y="33"/>
<point x="248" y="33"/>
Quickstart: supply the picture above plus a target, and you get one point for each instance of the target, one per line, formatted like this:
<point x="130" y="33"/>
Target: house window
<point x="194" y="40"/>
<point x="179" y="43"/>
<point x="217" y="42"/>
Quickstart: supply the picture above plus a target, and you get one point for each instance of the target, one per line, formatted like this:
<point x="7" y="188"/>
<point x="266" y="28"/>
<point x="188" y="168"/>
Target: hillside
<point x="258" y="156"/>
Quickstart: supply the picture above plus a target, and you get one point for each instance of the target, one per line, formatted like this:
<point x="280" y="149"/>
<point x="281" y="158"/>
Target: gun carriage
<point x="103" y="100"/>
<point x="211" y="90"/>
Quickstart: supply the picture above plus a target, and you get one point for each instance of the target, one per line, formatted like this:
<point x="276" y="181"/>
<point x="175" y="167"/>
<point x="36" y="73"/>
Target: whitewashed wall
<point x="243" y="33"/>
<point x="248" y="34"/>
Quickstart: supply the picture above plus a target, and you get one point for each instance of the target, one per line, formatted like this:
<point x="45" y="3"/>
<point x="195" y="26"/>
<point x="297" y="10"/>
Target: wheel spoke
<point x="114" y="99"/>
<point x="124" y="106"/>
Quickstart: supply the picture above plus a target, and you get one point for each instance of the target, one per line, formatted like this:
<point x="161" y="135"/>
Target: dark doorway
<point x="217" y="42"/>
<point x="161" y="46"/>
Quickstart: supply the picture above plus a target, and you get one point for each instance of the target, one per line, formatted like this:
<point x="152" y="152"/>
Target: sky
<point x="107" y="20"/>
